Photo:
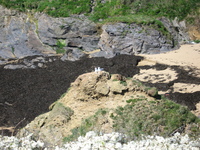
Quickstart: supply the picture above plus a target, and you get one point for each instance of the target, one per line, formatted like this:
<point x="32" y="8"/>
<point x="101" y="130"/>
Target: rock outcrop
<point x="27" y="34"/>
<point x="39" y="34"/>
<point x="19" y="36"/>
<point x="121" y="38"/>
<point x="88" y="93"/>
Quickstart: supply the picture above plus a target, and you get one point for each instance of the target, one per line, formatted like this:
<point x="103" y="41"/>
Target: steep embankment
<point x="106" y="103"/>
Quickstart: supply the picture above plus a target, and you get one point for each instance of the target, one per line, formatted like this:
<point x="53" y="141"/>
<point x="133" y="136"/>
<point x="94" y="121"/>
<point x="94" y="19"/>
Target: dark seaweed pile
<point x="27" y="93"/>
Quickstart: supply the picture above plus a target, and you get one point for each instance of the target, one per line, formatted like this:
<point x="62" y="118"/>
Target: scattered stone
<point x="117" y="77"/>
<point x="38" y="59"/>
<point x="152" y="91"/>
<point x="50" y="60"/>
<point x="40" y="65"/>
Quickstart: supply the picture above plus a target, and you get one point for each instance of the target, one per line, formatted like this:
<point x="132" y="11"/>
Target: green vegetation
<point x="123" y="83"/>
<point x="111" y="10"/>
<point x="53" y="104"/>
<point x="56" y="8"/>
<point x="197" y="41"/>
<point x="63" y="95"/>
<point x="134" y="100"/>
<point x="137" y="83"/>
<point x="141" y="116"/>
<point x="60" y="46"/>
<point x="168" y="8"/>
<point x="13" y="50"/>
<point x="89" y="124"/>
<point x="160" y="117"/>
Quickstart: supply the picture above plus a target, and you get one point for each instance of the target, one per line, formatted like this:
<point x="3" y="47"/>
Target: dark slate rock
<point x="23" y="35"/>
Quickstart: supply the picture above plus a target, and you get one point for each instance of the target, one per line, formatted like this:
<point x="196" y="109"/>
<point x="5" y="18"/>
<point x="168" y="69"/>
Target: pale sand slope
<point x="187" y="56"/>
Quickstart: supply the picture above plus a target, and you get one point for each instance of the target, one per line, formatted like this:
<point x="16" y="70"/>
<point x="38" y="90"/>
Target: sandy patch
<point x="156" y="76"/>
<point x="147" y="62"/>
<point x="91" y="52"/>
<point x="186" y="88"/>
<point x="187" y="55"/>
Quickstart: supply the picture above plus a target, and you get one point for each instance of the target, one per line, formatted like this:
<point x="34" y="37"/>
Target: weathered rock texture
<point x="88" y="93"/>
<point x="122" y="38"/>
<point x="38" y="34"/>
<point x="26" y="34"/>
<point x="19" y="35"/>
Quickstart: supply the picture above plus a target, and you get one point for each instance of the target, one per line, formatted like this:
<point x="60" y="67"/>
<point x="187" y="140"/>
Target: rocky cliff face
<point x="27" y="34"/>
<point x="19" y="36"/>
<point x="38" y="34"/>
<point x="121" y="38"/>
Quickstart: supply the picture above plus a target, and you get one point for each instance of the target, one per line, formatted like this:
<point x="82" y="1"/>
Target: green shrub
<point x="59" y="109"/>
<point x="132" y="101"/>
<point x="141" y="116"/>
<point x="197" y="41"/>
<point x="60" y="46"/>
